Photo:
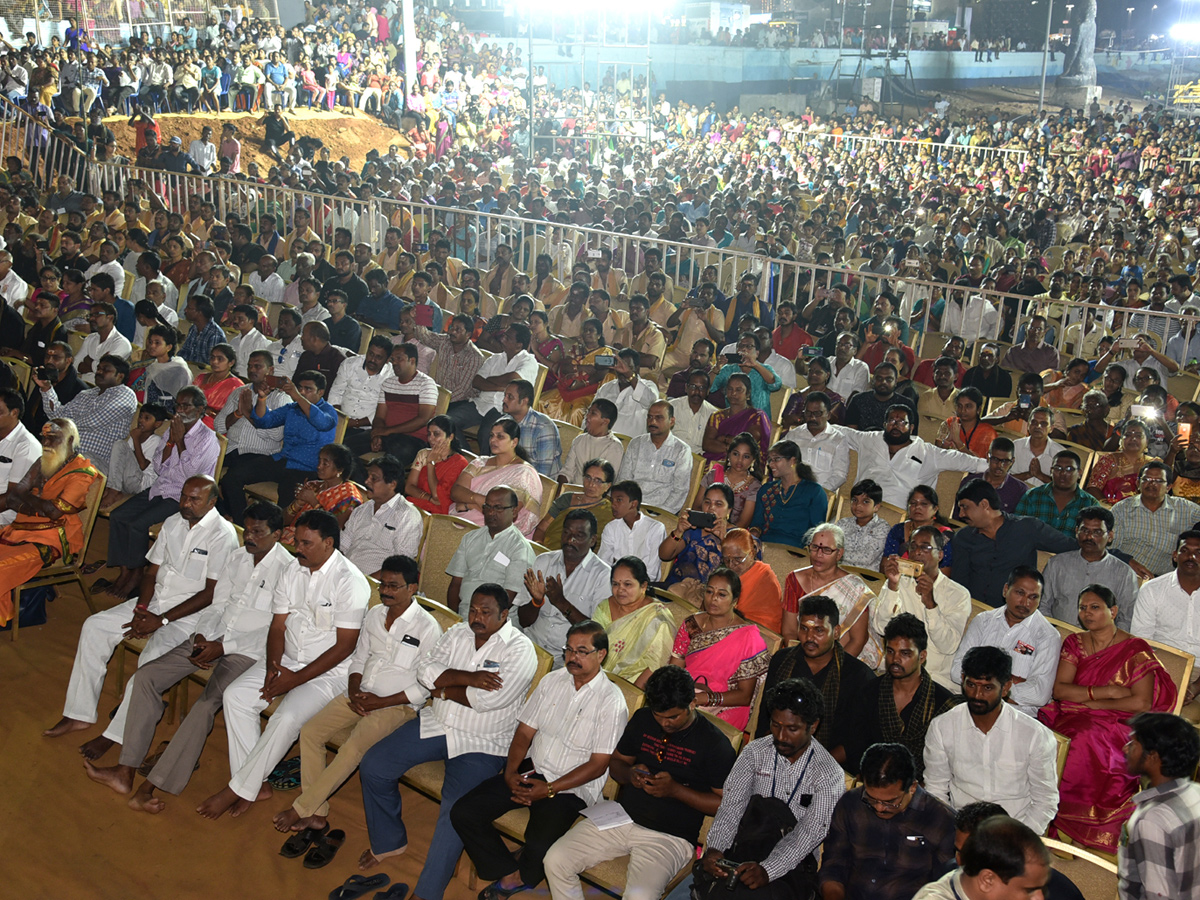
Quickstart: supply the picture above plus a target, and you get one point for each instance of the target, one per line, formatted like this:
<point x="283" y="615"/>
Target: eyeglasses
<point x="487" y="507"/>
<point x="1000" y="461"/>
<point x="1154" y="481"/>
<point x="734" y="560"/>
<point x="572" y="651"/>
<point x="924" y="548"/>
<point x="885" y="805"/>
<point x="822" y="551"/>
<point x="1062" y="468"/>
<point x="592" y="479"/>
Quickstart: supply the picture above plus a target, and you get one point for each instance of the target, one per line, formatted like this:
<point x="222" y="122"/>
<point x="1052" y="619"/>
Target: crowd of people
<point x="643" y="382"/>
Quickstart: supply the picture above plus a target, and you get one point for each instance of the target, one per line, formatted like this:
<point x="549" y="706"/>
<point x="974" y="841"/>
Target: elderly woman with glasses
<point x="826" y="577"/>
<point x="597" y="476"/>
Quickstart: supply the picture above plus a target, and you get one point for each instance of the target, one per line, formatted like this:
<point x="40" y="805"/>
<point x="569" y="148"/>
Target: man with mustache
<point x="819" y="657"/>
<point x="381" y="695"/>
<point x="228" y="637"/>
<point x="557" y="765"/>
<point x="1018" y="628"/>
<point x="191" y="552"/>
<point x="317" y="612"/>
<point x="477" y="673"/>
<point x="785" y="779"/>
<point x="190" y="449"/>
<point x="985" y="749"/>
<point x="43" y="508"/>
<point x="900" y="703"/>
<point x="1067" y="574"/>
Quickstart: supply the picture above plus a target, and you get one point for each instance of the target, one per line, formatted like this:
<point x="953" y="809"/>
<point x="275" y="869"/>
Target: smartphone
<point x="912" y="263"/>
<point x="1184" y="430"/>
<point x="275" y="382"/>
<point x="422" y="248"/>
<point x="605" y="362"/>
<point x="594" y="254"/>
<point x="734" y="358"/>
<point x="1143" y="411"/>
<point x="810" y="352"/>
<point x="423" y="315"/>
<point x="911" y="568"/>
<point x="1025" y="401"/>
<point x="1126" y="344"/>
<point x="701" y="519"/>
<point x="49" y="373"/>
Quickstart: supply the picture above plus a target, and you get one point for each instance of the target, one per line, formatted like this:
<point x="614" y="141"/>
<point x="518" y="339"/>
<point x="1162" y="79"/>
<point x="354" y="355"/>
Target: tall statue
<point x="1079" y="62"/>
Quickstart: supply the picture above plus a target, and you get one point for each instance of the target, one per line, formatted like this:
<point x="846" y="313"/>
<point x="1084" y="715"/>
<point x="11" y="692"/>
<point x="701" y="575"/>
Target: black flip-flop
<point x="324" y="849"/>
<point x="359" y="885"/>
<point x="495" y="892"/>
<point x="300" y="841"/>
<point x="397" y="891"/>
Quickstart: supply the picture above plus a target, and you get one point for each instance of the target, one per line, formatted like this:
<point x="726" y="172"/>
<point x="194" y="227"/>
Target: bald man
<point x="192" y="550"/>
<point x="761" y="599"/>
<point x="319" y="354"/>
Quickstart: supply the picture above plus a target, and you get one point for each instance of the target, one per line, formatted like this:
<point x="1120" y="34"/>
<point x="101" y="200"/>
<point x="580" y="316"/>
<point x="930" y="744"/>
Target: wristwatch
<point x="550" y="791"/>
<point x="165" y="621"/>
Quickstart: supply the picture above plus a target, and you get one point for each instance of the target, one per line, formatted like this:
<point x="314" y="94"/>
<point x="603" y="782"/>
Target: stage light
<point x="1186" y="32"/>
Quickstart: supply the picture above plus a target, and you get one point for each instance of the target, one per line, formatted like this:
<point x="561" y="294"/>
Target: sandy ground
<point x="345" y="134"/>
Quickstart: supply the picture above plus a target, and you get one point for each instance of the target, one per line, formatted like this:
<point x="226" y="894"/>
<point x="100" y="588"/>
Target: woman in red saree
<point x="1105" y="676"/>
<point x="736" y="419"/>
<point x="724" y="654"/>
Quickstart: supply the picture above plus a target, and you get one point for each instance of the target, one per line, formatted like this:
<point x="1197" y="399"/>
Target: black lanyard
<point x="799" y="781"/>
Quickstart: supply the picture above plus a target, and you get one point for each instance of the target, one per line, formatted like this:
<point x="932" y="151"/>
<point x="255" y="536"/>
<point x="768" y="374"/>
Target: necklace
<point x="1092" y="639"/>
<point x="788" y="493"/>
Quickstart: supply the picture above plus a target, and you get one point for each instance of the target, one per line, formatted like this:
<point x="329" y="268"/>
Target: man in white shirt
<point x="386" y="524"/>
<point x="149" y="269"/>
<point x="244" y="318"/>
<point x="317" y="612"/>
<point x="288" y="349"/>
<point x="104" y="338"/>
<point x="631" y="394"/>
<point x="939" y="601"/>
<point x="563" y="587"/>
<point x="898" y="462"/>
<point x="660" y="462"/>
<point x="203" y="151"/>
<point x="986" y="749"/>
<point x="106" y="263"/>
<point x="265" y="282"/>
<point x="382" y="694"/>
<point x="631" y="532"/>
<point x="12" y="288"/>
<point x="355" y="391"/>
<point x="780" y="365"/>
<point x="478" y="674"/>
<point x="971" y="319"/>
<point x="191" y="552"/>
<point x="596" y="442"/>
<point x="1018" y="628"/>
<point x="514" y="363"/>
<point x="497" y="553"/>
<point x="229" y="636"/>
<point x="19" y="449"/>
<point x="822" y="446"/>
<point x="692" y="411"/>
<point x="1168" y="610"/>
<point x="557" y="763"/>
<point x="849" y="375"/>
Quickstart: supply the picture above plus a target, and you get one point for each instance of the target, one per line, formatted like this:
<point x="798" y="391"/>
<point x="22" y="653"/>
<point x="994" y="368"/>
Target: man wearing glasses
<point x="1000" y="462"/>
<point x="557" y="765"/>
<point x="886" y="811"/>
<point x="1067" y="574"/>
<point x="542" y="609"/>
<point x="1059" y="502"/>
<point x="1145" y="526"/>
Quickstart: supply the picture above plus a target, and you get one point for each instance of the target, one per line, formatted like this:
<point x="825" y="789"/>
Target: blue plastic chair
<point x="226" y="80"/>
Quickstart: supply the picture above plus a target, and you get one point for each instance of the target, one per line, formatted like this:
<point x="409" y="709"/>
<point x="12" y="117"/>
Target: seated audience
<point x="694" y="551"/>
<point x="509" y="466"/>
<point x="791" y="502"/>
<point x="597" y="476"/>
<point x="865" y="531"/>
<point x="497" y="553"/>
<point x="631" y="532"/>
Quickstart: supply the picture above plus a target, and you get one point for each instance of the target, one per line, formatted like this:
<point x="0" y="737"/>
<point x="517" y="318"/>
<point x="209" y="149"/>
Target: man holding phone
<point x="557" y="764"/>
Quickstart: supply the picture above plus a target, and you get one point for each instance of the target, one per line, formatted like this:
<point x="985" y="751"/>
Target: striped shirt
<point x="455" y="369"/>
<point x="487" y="725"/>
<point x="370" y="537"/>
<point x="103" y="418"/>
<point x="1150" y="536"/>
<point x="572" y="724"/>
<point x="403" y="399"/>
<point x="199" y="457"/>
<point x="243" y="437"/>
<point x="811" y="786"/>
<point x="540" y="438"/>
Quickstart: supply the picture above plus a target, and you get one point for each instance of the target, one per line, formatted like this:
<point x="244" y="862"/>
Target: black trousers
<point x="241" y="469"/>
<point x="474" y="813"/>
<point x="128" y="537"/>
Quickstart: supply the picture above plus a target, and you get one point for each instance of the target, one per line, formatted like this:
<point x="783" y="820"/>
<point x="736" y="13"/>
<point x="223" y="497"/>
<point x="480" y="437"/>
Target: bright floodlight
<point x="1186" y="32"/>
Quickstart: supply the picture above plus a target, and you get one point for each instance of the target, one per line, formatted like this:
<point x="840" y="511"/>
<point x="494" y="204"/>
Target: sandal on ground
<point x="359" y="885"/>
<point x="324" y="849"/>
<point x="300" y="841"/>
<point x="495" y="892"/>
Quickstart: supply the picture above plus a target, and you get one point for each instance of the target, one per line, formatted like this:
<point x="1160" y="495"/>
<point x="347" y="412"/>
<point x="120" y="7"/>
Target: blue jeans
<point x="379" y="771"/>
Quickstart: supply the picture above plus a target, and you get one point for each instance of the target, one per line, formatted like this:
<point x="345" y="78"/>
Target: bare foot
<point x="119" y="778"/>
<point x="370" y="860"/>
<point x="144" y="800"/>
<point x="219" y="803"/>
<point x="66" y="726"/>
<point x="290" y="820"/>
<point x="96" y="748"/>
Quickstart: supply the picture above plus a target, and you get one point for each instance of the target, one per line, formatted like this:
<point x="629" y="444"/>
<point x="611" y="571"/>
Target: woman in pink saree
<point x="724" y="654"/>
<point x="1105" y="676"/>
<point x="736" y="419"/>
<point x="507" y="466"/>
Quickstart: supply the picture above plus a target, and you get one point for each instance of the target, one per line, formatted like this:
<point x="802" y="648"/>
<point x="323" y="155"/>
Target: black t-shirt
<point x="354" y="288"/>
<point x="249" y="253"/>
<point x="856" y="679"/>
<point x="866" y="412"/>
<point x="698" y="758"/>
<point x="994" y="383"/>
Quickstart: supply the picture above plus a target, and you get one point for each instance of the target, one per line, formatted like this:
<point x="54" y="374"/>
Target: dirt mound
<point x="344" y="134"/>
